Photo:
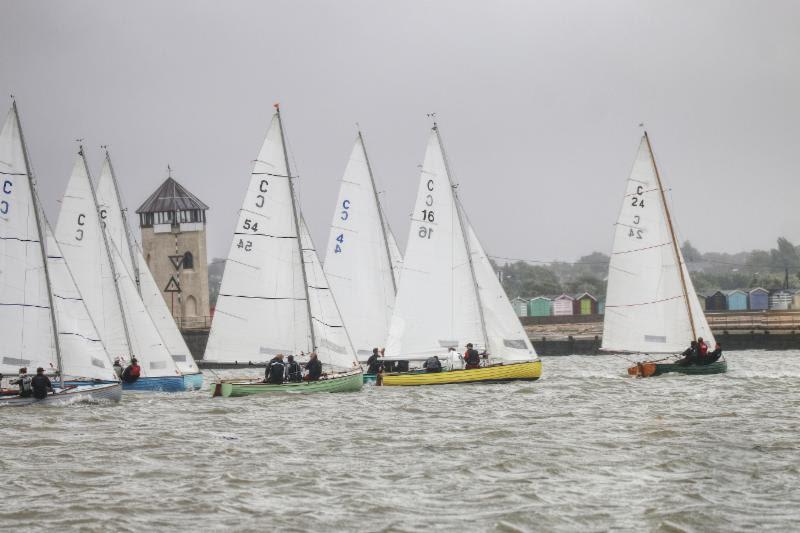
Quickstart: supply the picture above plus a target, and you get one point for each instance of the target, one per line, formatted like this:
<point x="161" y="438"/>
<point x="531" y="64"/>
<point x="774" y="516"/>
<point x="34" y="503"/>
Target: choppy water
<point x="582" y="449"/>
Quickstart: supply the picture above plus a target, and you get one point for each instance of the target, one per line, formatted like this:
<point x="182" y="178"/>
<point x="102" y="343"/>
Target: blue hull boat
<point x="193" y="381"/>
<point x="159" y="384"/>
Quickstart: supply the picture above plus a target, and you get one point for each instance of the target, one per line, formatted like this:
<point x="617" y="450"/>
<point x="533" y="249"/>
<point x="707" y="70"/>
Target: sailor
<point x="313" y="368"/>
<point x="373" y="363"/>
<point x="118" y="368"/>
<point x="454" y="359"/>
<point x="41" y="384"/>
<point x="472" y="357"/>
<point x="689" y="355"/>
<point x="132" y="372"/>
<point x="24" y="382"/>
<point x="432" y="364"/>
<point x="702" y="348"/>
<point x="294" y="372"/>
<point x="712" y="357"/>
<point x="276" y="369"/>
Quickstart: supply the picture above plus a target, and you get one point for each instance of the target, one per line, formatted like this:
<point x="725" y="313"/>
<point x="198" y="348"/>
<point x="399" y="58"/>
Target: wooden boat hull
<point x="193" y="381"/>
<point x="649" y="369"/>
<point x="351" y="382"/>
<point x="525" y="371"/>
<point x="109" y="392"/>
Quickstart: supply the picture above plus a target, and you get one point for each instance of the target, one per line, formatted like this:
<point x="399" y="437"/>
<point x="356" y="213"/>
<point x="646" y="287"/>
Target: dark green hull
<point x="720" y="367"/>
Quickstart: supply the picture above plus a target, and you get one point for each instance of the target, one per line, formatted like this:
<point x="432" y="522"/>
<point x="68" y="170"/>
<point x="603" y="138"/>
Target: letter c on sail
<point x="81" y="219"/>
<point x="7" y="187"/>
<point x="430" y="185"/>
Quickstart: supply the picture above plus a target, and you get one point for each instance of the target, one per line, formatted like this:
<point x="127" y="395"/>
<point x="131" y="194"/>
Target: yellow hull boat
<point x="526" y="371"/>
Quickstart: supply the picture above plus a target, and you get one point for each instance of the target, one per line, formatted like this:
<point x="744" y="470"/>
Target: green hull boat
<point x="720" y="367"/>
<point x="351" y="382"/>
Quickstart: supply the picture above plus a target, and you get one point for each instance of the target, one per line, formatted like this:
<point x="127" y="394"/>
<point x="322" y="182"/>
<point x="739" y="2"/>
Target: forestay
<point x="262" y="309"/>
<point x="437" y="305"/>
<point x="83" y="355"/>
<point x="25" y="316"/>
<point x="113" y="214"/>
<point x="358" y="260"/>
<point x="507" y="339"/>
<point x="646" y="310"/>
<point x="334" y="346"/>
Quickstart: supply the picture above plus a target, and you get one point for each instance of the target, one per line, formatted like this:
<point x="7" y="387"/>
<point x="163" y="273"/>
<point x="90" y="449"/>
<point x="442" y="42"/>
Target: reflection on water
<point x="584" y="448"/>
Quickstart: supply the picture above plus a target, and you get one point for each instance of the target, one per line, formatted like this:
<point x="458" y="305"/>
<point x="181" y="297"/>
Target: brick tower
<point x="173" y="225"/>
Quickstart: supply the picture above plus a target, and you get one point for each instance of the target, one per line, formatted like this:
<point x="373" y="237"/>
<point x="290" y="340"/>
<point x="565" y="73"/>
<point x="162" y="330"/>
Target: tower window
<point x="188" y="261"/>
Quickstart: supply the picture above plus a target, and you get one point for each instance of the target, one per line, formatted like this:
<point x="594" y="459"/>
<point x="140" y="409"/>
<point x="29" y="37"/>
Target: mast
<point x="108" y="252"/>
<point x="40" y="229"/>
<point x="297" y="229"/>
<point x="125" y="224"/>
<point x="464" y="235"/>
<point x="380" y="211"/>
<point x="674" y="240"/>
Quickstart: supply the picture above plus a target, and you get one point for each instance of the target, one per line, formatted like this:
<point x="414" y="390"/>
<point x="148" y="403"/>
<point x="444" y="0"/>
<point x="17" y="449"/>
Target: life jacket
<point x="432" y="364"/>
<point x="276" y="370"/>
<point x="472" y="357"/>
<point x="295" y="371"/>
<point x="136" y="371"/>
<point x="25" y="388"/>
<point x="702" y="348"/>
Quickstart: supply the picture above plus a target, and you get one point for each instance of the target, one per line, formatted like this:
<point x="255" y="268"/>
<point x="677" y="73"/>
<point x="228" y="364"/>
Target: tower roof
<point x="171" y="196"/>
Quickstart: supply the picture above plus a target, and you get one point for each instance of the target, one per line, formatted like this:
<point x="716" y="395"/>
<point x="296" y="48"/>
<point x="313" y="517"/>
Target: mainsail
<point x="274" y="297"/>
<point x="26" y="316"/>
<point x="113" y="214"/>
<point x="361" y="256"/>
<point x="448" y="294"/>
<point x="651" y="304"/>
<point x="107" y="285"/>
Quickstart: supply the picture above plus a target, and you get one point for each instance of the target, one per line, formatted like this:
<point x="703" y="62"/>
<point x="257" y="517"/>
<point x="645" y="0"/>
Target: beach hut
<point x="540" y="306"/>
<point x="716" y="302"/>
<point x="601" y="306"/>
<point x="737" y="300"/>
<point x="563" y="305"/>
<point x="758" y="299"/>
<point x="780" y="299"/>
<point x="520" y="306"/>
<point x="585" y="304"/>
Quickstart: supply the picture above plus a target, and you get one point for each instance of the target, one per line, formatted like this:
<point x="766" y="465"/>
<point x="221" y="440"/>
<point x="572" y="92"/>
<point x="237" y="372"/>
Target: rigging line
<point x="12" y="173"/>
<point x="266" y="235"/>
<point x="261" y="297"/>
<point x="645" y="303"/>
<point x="35" y="241"/>
<point x="26" y="305"/>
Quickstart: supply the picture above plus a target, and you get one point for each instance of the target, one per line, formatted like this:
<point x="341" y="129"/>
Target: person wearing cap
<point x="132" y="372"/>
<point x="294" y="372"/>
<point x="471" y="357"/>
<point x="41" y="384"/>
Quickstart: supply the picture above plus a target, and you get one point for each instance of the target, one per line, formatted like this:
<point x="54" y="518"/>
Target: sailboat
<point x="274" y="297"/>
<point x="651" y="304"/>
<point x="449" y="295"/>
<point x="43" y="320"/>
<point x="112" y="211"/>
<point x="109" y="288"/>
<point x="362" y="258"/>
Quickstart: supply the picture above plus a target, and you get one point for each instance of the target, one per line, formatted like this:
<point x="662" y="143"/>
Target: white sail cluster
<point x="274" y="297"/>
<point x="448" y="293"/>
<point x="651" y="304"/>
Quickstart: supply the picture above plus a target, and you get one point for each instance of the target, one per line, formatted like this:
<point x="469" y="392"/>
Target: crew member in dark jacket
<point x="314" y="368"/>
<point x="712" y="357"/>
<point x="41" y="384"/>
<point x="373" y="363"/>
<point x="275" y="370"/>
<point x="471" y="357"/>
<point x="294" y="372"/>
<point x="432" y="364"/>
<point x="132" y="372"/>
<point x="690" y="355"/>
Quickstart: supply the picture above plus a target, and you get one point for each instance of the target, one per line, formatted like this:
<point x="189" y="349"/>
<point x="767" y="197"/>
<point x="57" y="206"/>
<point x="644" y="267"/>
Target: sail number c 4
<point x="344" y="215"/>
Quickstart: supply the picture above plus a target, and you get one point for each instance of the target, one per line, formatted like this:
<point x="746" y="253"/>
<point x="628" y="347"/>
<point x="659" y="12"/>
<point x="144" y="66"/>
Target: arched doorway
<point x="190" y="307"/>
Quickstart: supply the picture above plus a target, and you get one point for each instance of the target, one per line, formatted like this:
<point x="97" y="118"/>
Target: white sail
<point x="113" y="213"/>
<point x="162" y="318"/>
<point x="81" y="242"/>
<point x="437" y="304"/>
<point x="26" y="325"/>
<point x="262" y="309"/>
<point x="334" y="346"/>
<point x="507" y="339"/>
<point x="358" y="263"/>
<point x="646" y="310"/>
<point x="395" y="253"/>
<point x="146" y="342"/>
<point x="83" y="355"/>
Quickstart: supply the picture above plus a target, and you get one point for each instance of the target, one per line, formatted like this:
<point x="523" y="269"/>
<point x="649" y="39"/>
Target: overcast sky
<point x="539" y="104"/>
